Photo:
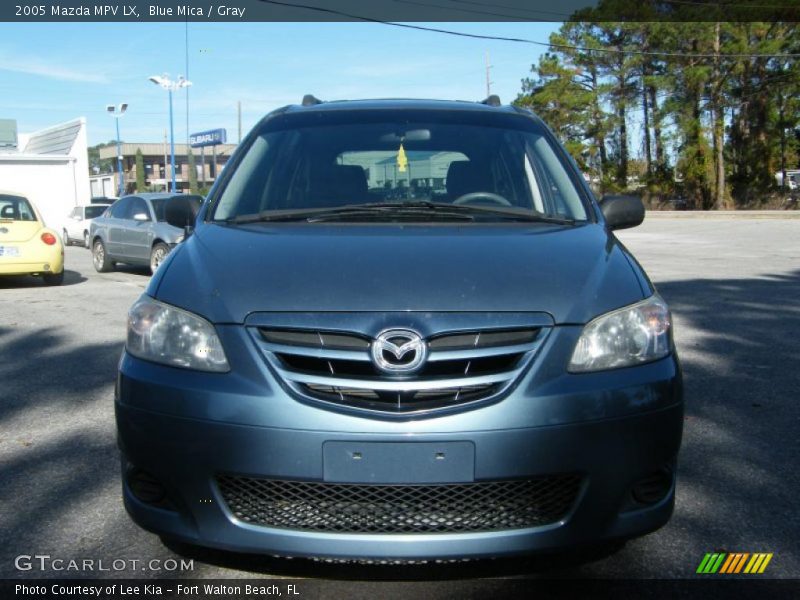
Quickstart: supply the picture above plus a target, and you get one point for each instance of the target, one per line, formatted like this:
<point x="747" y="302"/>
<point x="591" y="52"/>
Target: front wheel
<point x="157" y="255"/>
<point x="53" y="278"/>
<point x="65" y="237"/>
<point x="87" y="243"/>
<point x="102" y="264"/>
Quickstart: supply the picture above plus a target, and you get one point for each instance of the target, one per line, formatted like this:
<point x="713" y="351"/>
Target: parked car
<point x="27" y="245"/>
<point x="134" y="231"/>
<point x="79" y="222"/>
<point x="316" y="373"/>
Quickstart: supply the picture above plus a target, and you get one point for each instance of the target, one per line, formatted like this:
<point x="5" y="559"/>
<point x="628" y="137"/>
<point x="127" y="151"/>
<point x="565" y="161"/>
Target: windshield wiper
<point x="411" y="208"/>
<point x="509" y="212"/>
<point x="406" y="209"/>
<point x="369" y="211"/>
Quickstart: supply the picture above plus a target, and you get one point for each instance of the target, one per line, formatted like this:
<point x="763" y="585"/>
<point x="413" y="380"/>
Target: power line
<point x="479" y="36"/>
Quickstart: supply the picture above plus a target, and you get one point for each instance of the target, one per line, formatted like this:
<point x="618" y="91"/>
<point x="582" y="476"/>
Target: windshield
<point x="16" y="208"/>
<point x="92" y="212"/>
<point x="349" y="164"/>
<point x="159" y="204"/>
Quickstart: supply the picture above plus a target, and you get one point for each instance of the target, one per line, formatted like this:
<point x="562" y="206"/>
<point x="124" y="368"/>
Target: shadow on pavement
<point x="29" y="281"/>
<point x="739" y="341"/>
<point x="737" y="483"/>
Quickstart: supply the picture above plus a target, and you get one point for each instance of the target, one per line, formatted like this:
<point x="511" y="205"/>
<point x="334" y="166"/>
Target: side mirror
<point x="622" y="212"/>
<point x="180" y="212"/>
<point x="141" y="217"/>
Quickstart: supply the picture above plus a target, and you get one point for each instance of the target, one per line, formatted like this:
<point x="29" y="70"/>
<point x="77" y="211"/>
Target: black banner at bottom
<point x="308" y="589"/>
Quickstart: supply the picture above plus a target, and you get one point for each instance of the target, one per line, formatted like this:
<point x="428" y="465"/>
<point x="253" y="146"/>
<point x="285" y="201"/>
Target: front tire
<point x="87" y="243"/>
<point x="102" y="264"/>
<point x="157" y="255"/>
<point x="53" y="278"/>
<point x="65" y="237"/>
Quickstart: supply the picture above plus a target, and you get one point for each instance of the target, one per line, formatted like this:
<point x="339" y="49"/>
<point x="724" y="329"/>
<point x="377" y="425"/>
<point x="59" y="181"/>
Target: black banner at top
<point x="407" y="11"/>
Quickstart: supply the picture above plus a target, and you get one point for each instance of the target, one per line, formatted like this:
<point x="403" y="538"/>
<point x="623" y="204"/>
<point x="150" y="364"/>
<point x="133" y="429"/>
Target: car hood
<point x="227" y="272"/>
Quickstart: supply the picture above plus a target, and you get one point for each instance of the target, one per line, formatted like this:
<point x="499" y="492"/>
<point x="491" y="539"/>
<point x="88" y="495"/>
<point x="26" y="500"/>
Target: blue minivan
<point x="400" y="329"/>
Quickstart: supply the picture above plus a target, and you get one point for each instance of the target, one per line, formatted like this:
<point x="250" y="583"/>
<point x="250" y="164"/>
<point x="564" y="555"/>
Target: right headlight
<point x="625" y="337"/>
<point x="171" y="336"/>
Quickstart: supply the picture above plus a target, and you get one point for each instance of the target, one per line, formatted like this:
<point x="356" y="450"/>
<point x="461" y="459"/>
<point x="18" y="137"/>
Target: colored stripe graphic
<point x="741" y="562"/>
<point x="711" y="563"/>
<point x="729" y="563"/>
<point x="733" y="563"/>
<point x="703" y="563"/>
<point x="765" y="563"/>
<point x="758" y="563"/>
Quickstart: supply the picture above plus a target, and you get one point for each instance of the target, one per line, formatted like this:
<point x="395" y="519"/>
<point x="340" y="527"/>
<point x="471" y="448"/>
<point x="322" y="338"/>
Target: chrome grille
<point x="461" y="367"/>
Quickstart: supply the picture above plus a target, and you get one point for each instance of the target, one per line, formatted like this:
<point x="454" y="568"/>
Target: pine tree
<point x="140" y="174"/>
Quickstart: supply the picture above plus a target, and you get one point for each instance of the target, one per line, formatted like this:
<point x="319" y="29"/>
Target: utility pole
<point x="488" y="77"/>
<point x="189" y="160"/>
<point x="239" y="115"/>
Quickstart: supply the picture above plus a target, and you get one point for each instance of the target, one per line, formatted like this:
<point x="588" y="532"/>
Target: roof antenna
<point x="310" y="100"/>
<point x="492" y="100"/>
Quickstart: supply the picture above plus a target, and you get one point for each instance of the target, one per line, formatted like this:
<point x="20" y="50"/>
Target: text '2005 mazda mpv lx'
<point x="400" y="329"/>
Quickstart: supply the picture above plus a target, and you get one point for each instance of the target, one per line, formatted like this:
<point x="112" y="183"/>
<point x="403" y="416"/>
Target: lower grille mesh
<point x="367" y="508"/>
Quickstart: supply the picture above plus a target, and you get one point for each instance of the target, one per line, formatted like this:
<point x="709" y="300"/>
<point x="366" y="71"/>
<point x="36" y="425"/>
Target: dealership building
<point x="157" y="173"/>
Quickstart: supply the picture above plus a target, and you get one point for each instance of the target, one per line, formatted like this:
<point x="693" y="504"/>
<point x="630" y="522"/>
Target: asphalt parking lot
<point x="733" y="285"/>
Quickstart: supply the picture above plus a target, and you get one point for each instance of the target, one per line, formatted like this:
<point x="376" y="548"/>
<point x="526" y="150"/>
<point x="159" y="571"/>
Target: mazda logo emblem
<point x="398" y="351"/>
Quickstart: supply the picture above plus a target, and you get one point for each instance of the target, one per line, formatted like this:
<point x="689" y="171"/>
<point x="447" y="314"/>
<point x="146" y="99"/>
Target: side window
<point x="120" y="208"/>
<point x="139" y="206"/>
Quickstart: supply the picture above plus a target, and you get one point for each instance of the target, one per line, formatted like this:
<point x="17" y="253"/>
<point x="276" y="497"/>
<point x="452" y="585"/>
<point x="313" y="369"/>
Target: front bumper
<point x="611" y="429"/>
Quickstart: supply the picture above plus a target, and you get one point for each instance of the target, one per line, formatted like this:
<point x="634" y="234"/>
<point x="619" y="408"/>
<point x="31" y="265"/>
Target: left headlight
<point x="171" y="336"/>
<point x="629" y="336"/>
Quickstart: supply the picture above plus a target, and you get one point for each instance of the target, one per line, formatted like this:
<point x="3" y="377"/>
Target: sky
<point x="55" y="72"/>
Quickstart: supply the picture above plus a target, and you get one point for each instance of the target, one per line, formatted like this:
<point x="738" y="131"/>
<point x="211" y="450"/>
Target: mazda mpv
<point x="400" y="329"/>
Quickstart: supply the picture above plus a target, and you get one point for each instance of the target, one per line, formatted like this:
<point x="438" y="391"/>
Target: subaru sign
<point x="207" y="138"/>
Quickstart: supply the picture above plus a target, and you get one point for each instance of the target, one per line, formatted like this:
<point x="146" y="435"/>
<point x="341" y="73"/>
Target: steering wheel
<point x="473" y="196"/>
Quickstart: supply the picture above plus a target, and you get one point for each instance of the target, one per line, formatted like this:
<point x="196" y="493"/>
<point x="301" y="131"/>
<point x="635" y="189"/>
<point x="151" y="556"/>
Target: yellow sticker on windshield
<point x="402" y="161"/>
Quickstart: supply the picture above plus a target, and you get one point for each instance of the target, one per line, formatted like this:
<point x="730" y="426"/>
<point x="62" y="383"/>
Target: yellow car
<point x="27" y="246"/>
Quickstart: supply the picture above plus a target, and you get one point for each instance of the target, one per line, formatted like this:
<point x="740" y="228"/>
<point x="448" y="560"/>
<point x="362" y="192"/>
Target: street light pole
<point x="165" y="82"/>
<point x="117" y="112"/>
<point x="119" y="163"/>
<point x="171" y="143"/>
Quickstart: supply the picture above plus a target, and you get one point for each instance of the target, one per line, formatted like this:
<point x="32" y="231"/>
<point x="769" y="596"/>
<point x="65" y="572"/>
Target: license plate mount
<point x="398" y="462"/>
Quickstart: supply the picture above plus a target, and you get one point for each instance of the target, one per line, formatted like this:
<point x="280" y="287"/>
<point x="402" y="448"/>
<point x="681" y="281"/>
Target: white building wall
<point x="54" y="180"/>
<point x="80" y="152"/>
<point x="50" y="186"/>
